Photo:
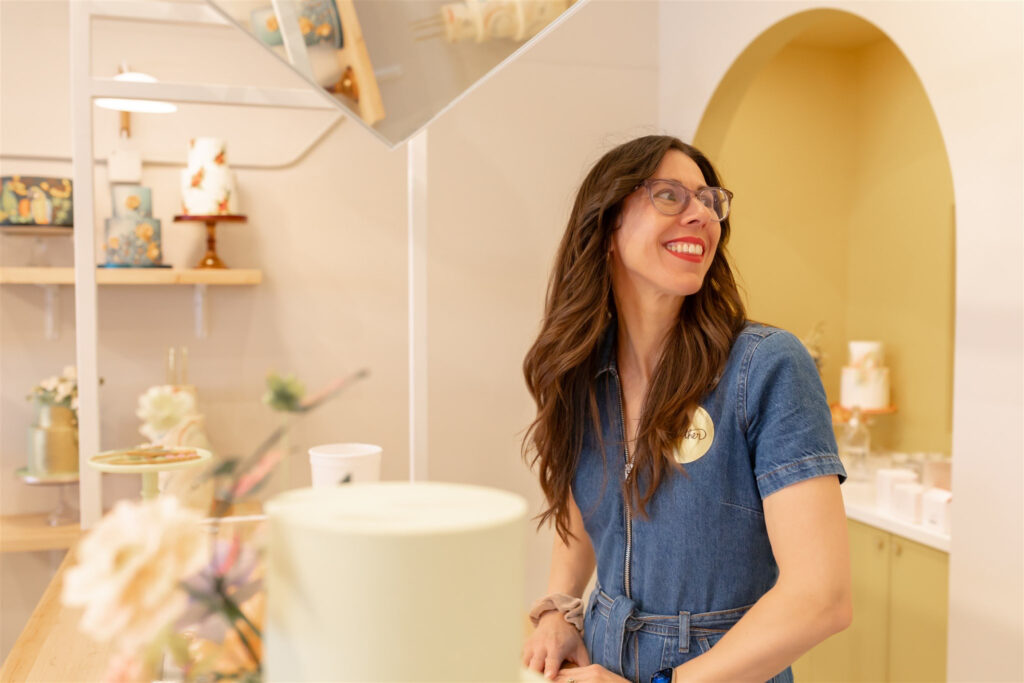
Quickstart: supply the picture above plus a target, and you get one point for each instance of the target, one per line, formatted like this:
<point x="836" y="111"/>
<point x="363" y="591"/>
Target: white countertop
<point x="859" y="498"/>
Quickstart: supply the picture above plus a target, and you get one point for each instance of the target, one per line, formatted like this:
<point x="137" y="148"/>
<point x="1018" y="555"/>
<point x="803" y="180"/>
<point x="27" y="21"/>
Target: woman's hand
<point x="589" y="674"/>
<point x="554" y="641"/>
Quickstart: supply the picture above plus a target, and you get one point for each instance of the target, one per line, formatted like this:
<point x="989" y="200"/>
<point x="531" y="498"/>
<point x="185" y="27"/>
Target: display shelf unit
<point x="133" y="276"/>
<point x="31" y="533"/>
<point x="85" y="87"/>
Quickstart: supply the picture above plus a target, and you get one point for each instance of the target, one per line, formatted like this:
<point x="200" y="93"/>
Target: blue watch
<point x="663" y="676"/>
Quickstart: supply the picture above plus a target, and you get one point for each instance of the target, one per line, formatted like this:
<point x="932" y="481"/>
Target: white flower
<point x="163" y="407"/>
<point x="70" y="372"/>
<point x="49" y="384"/>
<point x="64" y="390"/>
<point x="130" y="567"/>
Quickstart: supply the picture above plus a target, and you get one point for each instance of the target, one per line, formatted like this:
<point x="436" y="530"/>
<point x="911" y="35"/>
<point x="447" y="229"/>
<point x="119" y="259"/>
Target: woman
<point x="686" y="452"/>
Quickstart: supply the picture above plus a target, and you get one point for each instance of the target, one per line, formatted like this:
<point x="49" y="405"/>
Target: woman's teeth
<point x="685" y="248"/>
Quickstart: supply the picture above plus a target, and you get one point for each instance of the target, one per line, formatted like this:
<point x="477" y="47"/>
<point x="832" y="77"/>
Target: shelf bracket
<point x="51" y="317"/>
<point x="200" y="310"/>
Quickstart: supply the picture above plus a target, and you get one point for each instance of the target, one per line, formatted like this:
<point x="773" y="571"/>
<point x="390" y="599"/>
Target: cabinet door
<point x="918" y="615"/>
<point x="858" y="653"/>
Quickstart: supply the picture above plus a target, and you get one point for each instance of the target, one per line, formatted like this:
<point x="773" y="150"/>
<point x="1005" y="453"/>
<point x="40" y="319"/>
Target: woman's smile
<point x="687" y="248"/>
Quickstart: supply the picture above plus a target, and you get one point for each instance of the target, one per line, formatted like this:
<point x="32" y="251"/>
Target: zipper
<point x="626" y="472"/>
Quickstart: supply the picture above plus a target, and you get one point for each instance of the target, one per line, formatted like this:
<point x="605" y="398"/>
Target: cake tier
<point x="210" y="191"/>
<point x="131" y="201"/>
<point x="205" y="152"/>
<point x="392" y="581"/>
<point x="864" y="388"/>
<point x="498" y="19"/>
<point x="867" y="354"/>
<point x="133" y="242"/>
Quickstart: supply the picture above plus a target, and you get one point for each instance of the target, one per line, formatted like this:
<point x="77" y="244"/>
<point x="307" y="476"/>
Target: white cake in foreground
<point x="392" y="581"/>
<point x="864" y="382"/>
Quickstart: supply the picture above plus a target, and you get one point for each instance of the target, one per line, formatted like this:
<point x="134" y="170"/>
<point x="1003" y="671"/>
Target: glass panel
<point x="394" y="64"/>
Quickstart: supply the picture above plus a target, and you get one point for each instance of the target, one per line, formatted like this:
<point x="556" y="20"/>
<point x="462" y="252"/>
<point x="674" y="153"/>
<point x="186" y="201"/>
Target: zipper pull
<point x="629" y="469"/>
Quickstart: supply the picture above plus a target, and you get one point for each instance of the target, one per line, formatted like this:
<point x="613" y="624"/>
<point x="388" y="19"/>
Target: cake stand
<point x="841" y="414"/>
<point x="210" y="259"/>
<point x="150" y="471"/>
<point x="63" y="513"/>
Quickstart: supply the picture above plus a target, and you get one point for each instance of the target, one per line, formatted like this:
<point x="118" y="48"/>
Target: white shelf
<point x="85" y="87"/>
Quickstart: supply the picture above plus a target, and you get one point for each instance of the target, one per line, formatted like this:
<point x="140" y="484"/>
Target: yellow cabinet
<point x="900" y="604"/>
<point x="918" y="612"/>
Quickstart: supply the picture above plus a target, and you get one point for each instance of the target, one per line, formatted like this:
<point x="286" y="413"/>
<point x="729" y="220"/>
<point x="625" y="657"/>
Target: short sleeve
<point x="788" y="422"/>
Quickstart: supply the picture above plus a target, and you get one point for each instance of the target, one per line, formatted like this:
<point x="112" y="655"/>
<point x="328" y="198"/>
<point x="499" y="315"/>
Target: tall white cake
<point x="207" y="183"/>
<point x="394" y="581"/>
<point x="865" y="380"/>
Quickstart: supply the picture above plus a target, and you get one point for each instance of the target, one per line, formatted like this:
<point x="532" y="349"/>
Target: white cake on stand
<point x="207" y="183"/>
<point x="864" y="382"/>
<point x="395" y="581"/>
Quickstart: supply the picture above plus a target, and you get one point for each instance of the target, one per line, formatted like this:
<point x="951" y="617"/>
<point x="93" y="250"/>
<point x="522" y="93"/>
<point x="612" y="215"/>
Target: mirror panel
<point x="394" y="65"/>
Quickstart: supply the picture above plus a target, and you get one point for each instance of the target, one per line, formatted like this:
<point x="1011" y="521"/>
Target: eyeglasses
<point x="671" y="198"/>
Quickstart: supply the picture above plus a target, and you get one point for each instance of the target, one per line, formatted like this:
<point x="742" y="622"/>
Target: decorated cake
<point x="132" y="236"/>
<point x="865" y="380"/>
<point x="482" y="20"/>
<point x="395" y="581"/>
<point x="207" y="183"/>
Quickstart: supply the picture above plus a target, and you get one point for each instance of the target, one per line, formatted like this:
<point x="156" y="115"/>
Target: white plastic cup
<point x="340" y="463"/>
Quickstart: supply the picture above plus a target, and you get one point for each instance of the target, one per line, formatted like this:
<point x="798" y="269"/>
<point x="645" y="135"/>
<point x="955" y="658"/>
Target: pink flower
<point x="248" y="481"/>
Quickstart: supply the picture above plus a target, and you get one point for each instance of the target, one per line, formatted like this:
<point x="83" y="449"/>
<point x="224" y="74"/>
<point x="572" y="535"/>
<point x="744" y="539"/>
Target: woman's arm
<point x="572" y="564"/>
<point x="806" y="525"/>
<point x="555" y="640"/>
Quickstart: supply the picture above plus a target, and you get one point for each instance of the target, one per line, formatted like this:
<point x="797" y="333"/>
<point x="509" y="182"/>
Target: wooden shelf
<point x="133" y="276"/>
<point x="29" y="533"/>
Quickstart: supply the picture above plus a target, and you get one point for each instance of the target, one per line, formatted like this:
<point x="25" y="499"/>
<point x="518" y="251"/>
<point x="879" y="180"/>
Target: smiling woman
<point x="647" y="375"/>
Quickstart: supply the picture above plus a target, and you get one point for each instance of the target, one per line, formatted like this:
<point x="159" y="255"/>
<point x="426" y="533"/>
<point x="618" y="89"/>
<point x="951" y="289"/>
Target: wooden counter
<point x="50" y="647"/>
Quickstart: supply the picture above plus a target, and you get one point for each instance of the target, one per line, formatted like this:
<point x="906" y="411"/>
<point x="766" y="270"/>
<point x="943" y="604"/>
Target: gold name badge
<point x="697" y="440"/>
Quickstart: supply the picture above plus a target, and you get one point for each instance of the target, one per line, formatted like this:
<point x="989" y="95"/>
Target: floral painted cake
<point x="207" y="184"/>
<point x="132" y="236"/>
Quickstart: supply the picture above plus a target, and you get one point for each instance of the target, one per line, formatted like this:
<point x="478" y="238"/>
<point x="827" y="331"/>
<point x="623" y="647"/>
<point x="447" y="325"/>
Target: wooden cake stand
<point x="210" y="259"/>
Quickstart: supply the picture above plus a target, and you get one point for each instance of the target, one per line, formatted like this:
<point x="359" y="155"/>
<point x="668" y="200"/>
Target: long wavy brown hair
<point x="561" y="364"/>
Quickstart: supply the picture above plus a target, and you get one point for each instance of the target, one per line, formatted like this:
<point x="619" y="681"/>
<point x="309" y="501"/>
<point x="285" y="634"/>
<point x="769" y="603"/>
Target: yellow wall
<point x="901" y="248"/>
<point x="843" y="213"/>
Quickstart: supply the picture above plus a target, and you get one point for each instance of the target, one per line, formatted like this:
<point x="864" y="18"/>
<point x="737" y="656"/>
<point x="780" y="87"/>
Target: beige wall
<point x="329" y="233"/>
<point x="844" y="214"/>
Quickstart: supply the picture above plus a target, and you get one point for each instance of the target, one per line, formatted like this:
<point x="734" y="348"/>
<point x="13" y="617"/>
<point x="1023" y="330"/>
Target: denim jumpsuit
<point x="670" y="586"/>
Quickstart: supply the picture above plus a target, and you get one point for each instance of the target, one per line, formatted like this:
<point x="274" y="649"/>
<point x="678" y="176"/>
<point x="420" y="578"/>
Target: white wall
<point x="969" y="58"/>
<point x="329" y="233"/>
<point x="505" y="164"/>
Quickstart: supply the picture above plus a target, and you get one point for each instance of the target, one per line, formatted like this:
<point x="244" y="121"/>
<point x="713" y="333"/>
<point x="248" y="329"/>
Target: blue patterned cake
<point x="132" y="235"/>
